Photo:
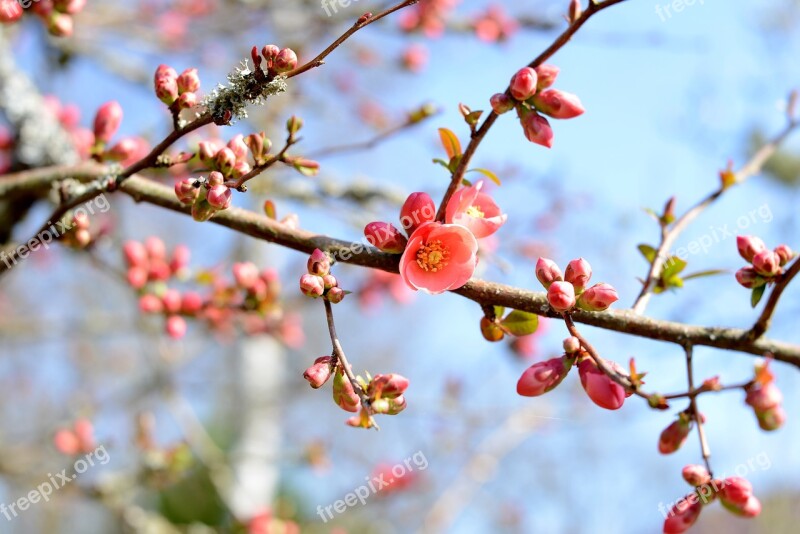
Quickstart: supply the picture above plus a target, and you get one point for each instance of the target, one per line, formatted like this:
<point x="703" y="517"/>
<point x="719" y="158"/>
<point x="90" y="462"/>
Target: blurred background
<point x="218" y="431"/>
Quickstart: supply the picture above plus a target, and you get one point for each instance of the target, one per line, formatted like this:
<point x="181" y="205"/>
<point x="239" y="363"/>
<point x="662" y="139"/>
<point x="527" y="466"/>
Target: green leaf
<point x="442" y="162"/>
<point x="466" y="182"/>
<point x="701" y="274"/>
<point x="489" y="174"/>
<point x="675" y="281"/>
<point x="499" y="311"/>
<point x="652" y="213"/>
<point x="520" y="323"/>
<point x="673" y="266"/>
<point x="648" y="252"/>
<point x="758" y="292"/>
<point x="473" y="117"/>
<point x="451" y="144"/>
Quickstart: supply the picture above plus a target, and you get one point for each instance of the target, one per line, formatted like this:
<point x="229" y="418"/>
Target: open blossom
<point x="476" y="210"/>
<point x="542" y="377"/>
<point x="439" y="257"/>
<point x="601" y="389"/>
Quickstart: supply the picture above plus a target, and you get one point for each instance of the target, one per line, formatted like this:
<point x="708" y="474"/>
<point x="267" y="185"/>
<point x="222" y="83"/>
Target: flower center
<point x="474" y="211"/>
<point x="432" y="256"/>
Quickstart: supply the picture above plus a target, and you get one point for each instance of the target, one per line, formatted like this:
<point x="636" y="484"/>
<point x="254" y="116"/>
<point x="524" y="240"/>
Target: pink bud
<point x="219" y="197"/>
<point x="683" y="515"/>
<point x="784" y="253"/>
<point x="749" y="246"/>
<point x="335" y="295"/>
<point x="155" y="247"/>
<point x="69" y="6"/>
<point x="548" y="272"/>
<point x="674" y="436"/>
<point x="343" y="393"/>
<point x="215" y="178"/>
<point x="748" y="277"/>
<point x="225" y="159"/>
<point x="385" y="237"/>
<point x="767" y="263"/>
<point x="239" y="147"/>
<point x="135" y="253"/>
<point x="416" y="211"/>
<point x="547" y="75"/>
<point x="771" y="419"/>
<point x="124" y="149"/>
<point x="246" y="274"/>
<point x="388" y="386"/>
<point x="523" y="84"/>
<point x="329" y="281"/>
<point x="172" y="301"/>
<point x="764" y="397"/>
<point x="188" y="81"/>
<point x="191" y="303"/>
<point x="561" y="296"/>
<point x="176" y="327"/>
<point x="107" y="121"/>
<point x="65" y="441"/>
<point x="206" y="150"/>
<point x="572" y="345"/>
<point x="537" y="129"/>
<point x="186" y="190"/>
<point x="270" y="52"/>
<point x="318" y="263"/>
<point x="696" y="475"/>
<point x="542" y="377"/>
<point x="166" y="84"/>
<point x="187" y="100"/>
<point x="137" y="277"/>
<point x="558" y="104"/>
<point x="501" y="103"/>
<point x="319" y="373"/>
<point x="311" y="285"/>
<point x="149" y="303"/>
<point x="286" y="60"/>
<point x="10" y="11"/>
<point x="598" y="298"/>
<point x="601" y="389"/>
<point x="578" y="273"/>
<point x="736" y="495"/>
<point x="240" y="169"/>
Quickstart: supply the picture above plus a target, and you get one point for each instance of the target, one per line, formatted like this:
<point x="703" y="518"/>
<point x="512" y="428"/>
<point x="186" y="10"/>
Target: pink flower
<point x="547" y="75"/>
<point x="542" y="377"/>
<point x="749" y="246"/>
<point x="683" y="515"/>
<point x="767" y="263"/>
<point x="476" y="210"/>
<point x="107" y="121"/>
<point x="537" y="129"/>
<point x="561" y="296"/>
<point x="439" y="257"/>
<point x="601" y="389"/>
<point x="736" y="495"/>
<point x="598" y="298"/>
<point x="558" y="104"/>
<point x="578" y="273"/>
<point x="523" y="83"/>
<point x="385" y="237"/>
<point x="548" y="272"/>
<point x="319" y="373"/>
<point x="416" y="211"/>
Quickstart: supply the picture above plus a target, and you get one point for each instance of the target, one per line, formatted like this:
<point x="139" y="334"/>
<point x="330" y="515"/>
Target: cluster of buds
<point x="543" y="377"/>
<point x="565" y="291"/>
<point x="318" y="281"/>
<point x="107" y="121"/>
<point x="76" y="440"/>
<point x="78" y="235"/>
<point x="765" y="398"/>
<point x="276" y="60"/>
<point x="176" y="91"/>
<point x="57" y="15"/>
<point x="735" y="494"/>
<point x="766" y="265"/>
<point x="206" y="195"/>
<point x="438" y="257"/>
<point x="530" y="93"/>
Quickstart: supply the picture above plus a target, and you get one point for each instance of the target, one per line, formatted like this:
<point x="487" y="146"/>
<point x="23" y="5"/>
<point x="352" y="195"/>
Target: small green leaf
<point x="648" y="252"/>
<point x="499" y="311"/>
<point x="473" y="117"/>
<point x="520" y="323"/>
<point x="758" y="292"/>
<point x="442" y="162"/>
<point x="466" y="182"/>
<point x="451" y="144"/>
<point x="701" y="274"/>
<point x="673" y="266"/>
<point x="652" y="213"/>
<point x="489" y="174"/>
<point x="675" y="281"/>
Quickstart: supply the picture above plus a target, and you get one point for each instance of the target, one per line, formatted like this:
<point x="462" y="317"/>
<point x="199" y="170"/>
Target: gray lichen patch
<point x="243" y="88"/>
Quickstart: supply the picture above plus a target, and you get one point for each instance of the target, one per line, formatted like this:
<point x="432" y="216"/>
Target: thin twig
<point x="762" y="324"/>
<point x="698" y="418"/>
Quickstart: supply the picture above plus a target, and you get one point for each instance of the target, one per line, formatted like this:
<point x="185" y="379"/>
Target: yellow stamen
<point x="474" y="211"/>
<point x="432" y="256"/>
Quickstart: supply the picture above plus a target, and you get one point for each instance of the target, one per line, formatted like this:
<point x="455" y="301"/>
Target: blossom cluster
<point x="567" y="290"/>
<point x="765" y="265"/>
<point x="57" y="15"/>
<point x="178" y="91"/>
<point x="530" y="93"/>
<point x="318" y="281"/>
